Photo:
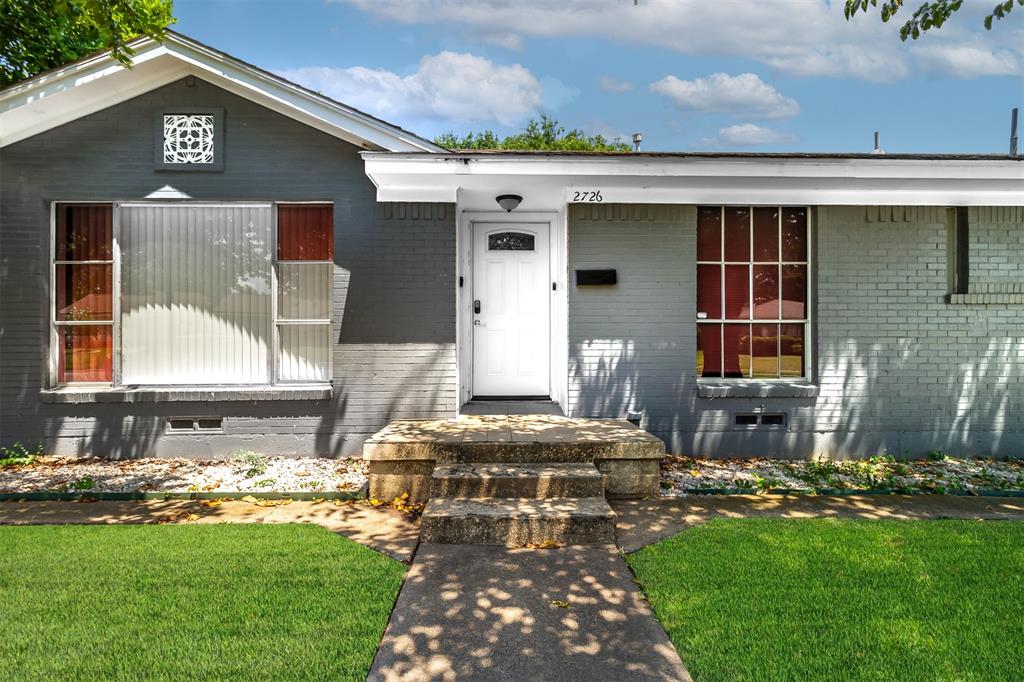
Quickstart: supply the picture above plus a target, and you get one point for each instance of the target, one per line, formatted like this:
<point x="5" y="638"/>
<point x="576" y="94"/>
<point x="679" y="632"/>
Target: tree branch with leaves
<point x="929" y="15"/>
<point x="36" y="35"/>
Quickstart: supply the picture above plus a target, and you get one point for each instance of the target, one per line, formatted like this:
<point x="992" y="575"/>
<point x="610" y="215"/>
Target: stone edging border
<point x="851" y="491"/>
<point x="78" y="496"/>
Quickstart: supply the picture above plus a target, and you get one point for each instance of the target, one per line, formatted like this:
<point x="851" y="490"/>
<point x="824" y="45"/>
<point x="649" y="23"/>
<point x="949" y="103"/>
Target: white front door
<point x="511" y="316"/>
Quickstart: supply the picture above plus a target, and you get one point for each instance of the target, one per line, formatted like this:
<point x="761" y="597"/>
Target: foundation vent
<point x="195" y="424"/>
<point x="760" y="419"/>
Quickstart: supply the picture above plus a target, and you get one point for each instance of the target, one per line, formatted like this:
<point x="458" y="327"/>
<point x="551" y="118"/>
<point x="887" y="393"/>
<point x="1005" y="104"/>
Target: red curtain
<point x="305" y="232"/>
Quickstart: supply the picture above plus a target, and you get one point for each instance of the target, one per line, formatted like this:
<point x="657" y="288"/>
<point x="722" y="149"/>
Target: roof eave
<point x="245" y="79"/>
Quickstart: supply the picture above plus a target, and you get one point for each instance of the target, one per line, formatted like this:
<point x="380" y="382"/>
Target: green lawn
<point x="190" y="602"/>
<point x="842" y="600"/>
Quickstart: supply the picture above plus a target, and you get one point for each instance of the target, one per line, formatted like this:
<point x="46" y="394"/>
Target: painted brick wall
<point x="394" y="307"/>
<point x="898" y="369"/>
<point x="996" y="249"/>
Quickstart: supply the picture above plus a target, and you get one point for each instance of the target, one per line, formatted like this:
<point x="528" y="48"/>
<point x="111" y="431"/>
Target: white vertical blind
<point x="196" y="294"/>
<point x="305" y="352"/>
<point x="304" y="290"/>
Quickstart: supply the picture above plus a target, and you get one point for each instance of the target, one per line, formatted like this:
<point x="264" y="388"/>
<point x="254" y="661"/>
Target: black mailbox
<point x="586" y="278"/>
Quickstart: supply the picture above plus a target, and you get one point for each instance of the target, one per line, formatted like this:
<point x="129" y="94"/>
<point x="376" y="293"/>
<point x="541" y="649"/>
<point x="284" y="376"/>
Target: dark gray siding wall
<point x="394" y="307"/>
<point x="897" y="369"/>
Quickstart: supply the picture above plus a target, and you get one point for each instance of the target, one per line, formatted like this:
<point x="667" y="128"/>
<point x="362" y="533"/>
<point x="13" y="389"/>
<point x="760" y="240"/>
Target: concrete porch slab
<point x="426" y="438"/>
<point x="626" y="455"/>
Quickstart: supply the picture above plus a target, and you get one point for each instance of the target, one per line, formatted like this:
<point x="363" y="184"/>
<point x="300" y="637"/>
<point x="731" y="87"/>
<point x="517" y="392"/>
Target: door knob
<point x="476" y="323"/>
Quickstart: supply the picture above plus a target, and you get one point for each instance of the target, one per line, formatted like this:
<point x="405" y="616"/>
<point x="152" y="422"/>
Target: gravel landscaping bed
<point x="248" y="472"/>
<point x="251" y="472"/>
<point x="939" y="474"/>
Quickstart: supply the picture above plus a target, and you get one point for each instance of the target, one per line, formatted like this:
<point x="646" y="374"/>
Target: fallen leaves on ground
<point x="263" y="502"/>
<point x="402" y="504"/>
<point x="544" y="544"/>
<point x="178" y="516"/>
<point x="560" y="603"/>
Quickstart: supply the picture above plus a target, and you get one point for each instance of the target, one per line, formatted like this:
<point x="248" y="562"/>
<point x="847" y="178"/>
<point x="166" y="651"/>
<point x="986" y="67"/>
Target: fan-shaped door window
<point x="510" y="241"/>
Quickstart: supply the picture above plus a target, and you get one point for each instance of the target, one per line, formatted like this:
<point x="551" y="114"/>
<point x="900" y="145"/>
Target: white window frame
<point x="53" y="355"/>
<point x="280" y="321"/>
<point x="806" y="321"/>
<point x="55" y="324"/>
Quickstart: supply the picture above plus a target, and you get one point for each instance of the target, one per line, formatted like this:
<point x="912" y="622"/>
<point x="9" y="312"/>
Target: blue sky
<point x="765" y="75"/>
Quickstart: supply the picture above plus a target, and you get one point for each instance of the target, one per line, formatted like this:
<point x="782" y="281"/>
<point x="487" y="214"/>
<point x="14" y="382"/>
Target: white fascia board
<point x="289" y="99"/>
<point x="690" y="180"/>
<point x="42" y="113"/>
<point x="430" y="195"/>
<point x="60" y="96"/>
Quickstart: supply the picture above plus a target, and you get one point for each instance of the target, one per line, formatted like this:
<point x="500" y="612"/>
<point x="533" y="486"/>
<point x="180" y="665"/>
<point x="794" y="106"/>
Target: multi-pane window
<point x="83" y="278"/>
<point x="752" y="311"/>
<point x="305" y="260"/>
<point x="209" y="294"/>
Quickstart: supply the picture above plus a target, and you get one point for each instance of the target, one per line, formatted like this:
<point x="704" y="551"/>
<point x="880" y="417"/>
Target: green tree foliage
<point x="36" y="35"/>
<point x="928" y="16"/>
<point x="544" y="135"/>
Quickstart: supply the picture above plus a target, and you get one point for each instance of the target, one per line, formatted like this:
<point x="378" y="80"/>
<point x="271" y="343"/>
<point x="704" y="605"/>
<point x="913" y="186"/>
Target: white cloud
<point x="613" y="84"/>
<point x="750" y="135"/>
<point x="745" y="95"/>
<point x="597" y="126"/>
<point x="969" y="61"/>
<point x="509" y="41"/>
<point x="447" y="86"/>
<point x="799" y="37"/>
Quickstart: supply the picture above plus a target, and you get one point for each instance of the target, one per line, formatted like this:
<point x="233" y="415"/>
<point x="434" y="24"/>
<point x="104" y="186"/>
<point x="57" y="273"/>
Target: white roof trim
<point x="56" y="97"/>
<point x="551" y="180"/>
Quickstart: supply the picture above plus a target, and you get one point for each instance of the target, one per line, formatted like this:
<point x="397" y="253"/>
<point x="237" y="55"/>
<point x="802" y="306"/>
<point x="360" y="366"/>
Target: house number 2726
<point x="587" y="196"/>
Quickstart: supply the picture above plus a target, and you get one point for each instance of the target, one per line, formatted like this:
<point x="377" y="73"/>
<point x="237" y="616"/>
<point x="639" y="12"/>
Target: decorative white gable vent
<point x="188" y="138"/>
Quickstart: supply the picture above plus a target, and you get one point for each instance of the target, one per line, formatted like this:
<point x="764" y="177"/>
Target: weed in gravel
<point x="265" y="483"/>
<point x="19" y="455"/>
<point x="254" y="463"/>
<point x="83" y="483"/>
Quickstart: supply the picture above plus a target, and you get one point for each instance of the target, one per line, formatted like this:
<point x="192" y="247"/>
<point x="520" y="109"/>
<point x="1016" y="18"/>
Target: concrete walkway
<point x="479" y="612"/>
<point x="639" y="523"/>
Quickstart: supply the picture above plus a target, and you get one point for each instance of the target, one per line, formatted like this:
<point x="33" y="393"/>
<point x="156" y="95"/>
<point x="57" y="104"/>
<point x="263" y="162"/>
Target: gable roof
<point x="55" y="97"/>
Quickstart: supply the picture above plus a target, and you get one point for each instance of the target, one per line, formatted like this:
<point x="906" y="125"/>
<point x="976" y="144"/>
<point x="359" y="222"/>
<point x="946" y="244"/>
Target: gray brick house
<point x="197" y="256"/>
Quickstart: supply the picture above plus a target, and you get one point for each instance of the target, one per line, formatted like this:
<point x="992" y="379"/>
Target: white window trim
<point x="52" y="382"/>
<point x="54" y="325"/>
<point x="807" y="321"/>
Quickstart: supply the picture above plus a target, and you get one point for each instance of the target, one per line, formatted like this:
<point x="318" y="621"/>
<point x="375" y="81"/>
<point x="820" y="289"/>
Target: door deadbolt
<point x="476" y="307"/>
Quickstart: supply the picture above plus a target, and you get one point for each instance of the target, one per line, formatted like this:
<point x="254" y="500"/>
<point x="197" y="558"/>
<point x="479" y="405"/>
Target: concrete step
<point x="566" y="452"/>
<point x="518" y="521"/>
<point x="537" y="481"/>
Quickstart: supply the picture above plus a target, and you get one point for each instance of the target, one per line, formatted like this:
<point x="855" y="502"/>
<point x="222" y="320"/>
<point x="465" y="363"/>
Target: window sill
<point x="756" y="389"/>
<point x="160" y="394"/>
<point x="987" y="299"/>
